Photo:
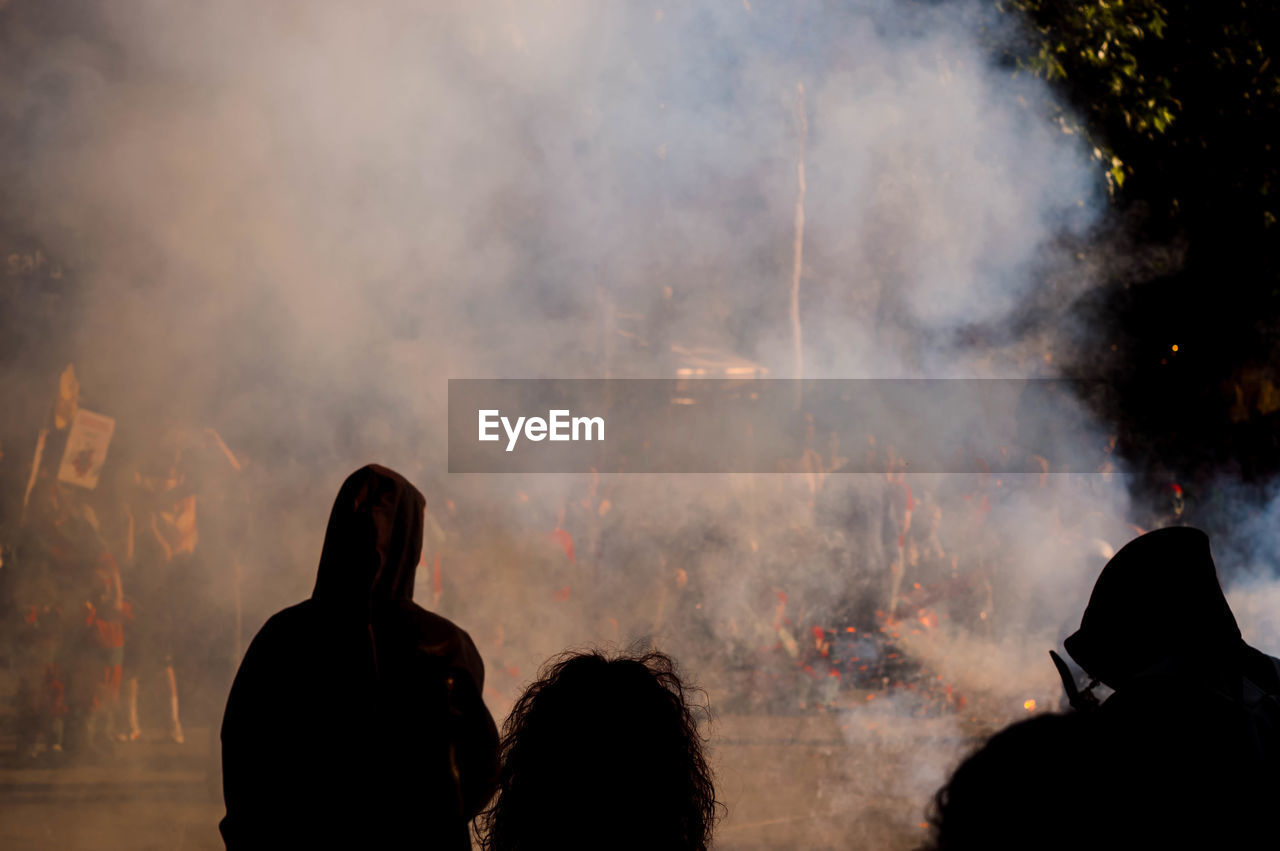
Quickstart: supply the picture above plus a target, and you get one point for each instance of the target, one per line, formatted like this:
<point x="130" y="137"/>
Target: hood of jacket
<point x="373" y="543"/>
<point x="1156" y="599"/>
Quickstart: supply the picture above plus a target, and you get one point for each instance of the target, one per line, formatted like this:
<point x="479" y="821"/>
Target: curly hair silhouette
<point x="603" y="752"/>
<point x="1015" y="789"/>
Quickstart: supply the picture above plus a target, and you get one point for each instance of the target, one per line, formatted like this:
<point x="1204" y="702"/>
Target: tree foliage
<point x="1176" y="89"/>
<point x="1180" y="100"/>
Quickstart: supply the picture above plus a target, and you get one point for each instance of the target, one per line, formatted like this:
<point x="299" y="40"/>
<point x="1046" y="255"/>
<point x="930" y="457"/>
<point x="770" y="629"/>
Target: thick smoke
<point x="294" y="221"/>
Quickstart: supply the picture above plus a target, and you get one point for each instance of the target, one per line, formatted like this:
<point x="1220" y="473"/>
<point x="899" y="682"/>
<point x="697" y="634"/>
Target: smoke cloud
<point x="294" y="221"/>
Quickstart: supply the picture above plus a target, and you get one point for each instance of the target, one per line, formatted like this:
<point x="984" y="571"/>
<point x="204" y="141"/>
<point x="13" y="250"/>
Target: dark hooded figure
<point x="1189" y="744"/>
<point x="356" y="718"/>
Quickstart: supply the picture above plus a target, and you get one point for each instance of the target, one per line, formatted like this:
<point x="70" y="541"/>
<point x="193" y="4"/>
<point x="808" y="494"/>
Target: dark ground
<point x="809" y="782"/>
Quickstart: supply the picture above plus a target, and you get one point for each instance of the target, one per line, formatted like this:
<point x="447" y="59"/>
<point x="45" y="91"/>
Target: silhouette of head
<point x="373" y="543"/>
<point x="1014" y="791"/>
<point x="603" y="753"/>
<point x="1158" y="596"/>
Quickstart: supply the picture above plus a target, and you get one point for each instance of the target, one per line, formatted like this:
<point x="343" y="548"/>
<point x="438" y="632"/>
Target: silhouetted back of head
<point x="373" y="543"/>
<point x="1158" y="596"/>
<point x="603" y="753"/>
<point x="1019" y="788"/>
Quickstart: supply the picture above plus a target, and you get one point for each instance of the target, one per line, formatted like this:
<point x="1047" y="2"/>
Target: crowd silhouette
<point x="357" y="720"/>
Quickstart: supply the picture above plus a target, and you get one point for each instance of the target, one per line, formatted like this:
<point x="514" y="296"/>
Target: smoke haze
<point x="294" y="221"/>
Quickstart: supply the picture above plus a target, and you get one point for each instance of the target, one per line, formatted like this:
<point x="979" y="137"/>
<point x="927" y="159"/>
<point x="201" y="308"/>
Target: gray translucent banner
<point x="773" y="426"/>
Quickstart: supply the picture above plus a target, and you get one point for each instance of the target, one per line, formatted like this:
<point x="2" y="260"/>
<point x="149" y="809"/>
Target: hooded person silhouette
<point x="356" y="718"/>
<point x="1189" y="744"/>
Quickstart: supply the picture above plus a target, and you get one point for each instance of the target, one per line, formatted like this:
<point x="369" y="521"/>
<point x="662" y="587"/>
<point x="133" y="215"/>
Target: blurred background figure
<point x="163" y="536"/>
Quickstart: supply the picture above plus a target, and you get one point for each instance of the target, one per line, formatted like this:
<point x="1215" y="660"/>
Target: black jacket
<point x="356" y="718"/>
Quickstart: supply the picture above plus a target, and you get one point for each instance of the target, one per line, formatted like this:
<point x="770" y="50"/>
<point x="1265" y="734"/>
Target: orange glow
<point x="1029" y="705"/>
<point x="1175" y="347"/>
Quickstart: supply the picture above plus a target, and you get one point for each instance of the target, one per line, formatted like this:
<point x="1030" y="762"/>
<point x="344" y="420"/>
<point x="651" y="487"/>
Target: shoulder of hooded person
<point x="436" y="638"/>
<point x="1179" y="706"/>
<point x="279" y="635"/>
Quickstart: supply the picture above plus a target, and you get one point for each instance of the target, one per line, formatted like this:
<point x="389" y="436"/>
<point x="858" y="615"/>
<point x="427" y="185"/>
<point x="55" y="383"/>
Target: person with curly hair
<point x="1018" y="788"/>
<point x="604" y="752"/>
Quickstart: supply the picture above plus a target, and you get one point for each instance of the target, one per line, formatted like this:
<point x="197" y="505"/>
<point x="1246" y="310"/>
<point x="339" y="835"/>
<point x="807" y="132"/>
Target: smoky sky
<point x="320" y="209"/>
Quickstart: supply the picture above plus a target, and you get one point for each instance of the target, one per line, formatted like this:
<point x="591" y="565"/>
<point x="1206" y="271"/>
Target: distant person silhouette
<point x="1189" y="744"/>
<point x="603" y="753"/>
<point x="356" y="719"/>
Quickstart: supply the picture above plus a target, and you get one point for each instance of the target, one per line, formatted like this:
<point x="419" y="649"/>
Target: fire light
<point x="1029" y="705"/>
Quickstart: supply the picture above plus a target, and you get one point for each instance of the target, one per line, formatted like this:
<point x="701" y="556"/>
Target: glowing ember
<point x="1029" y="705"/>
